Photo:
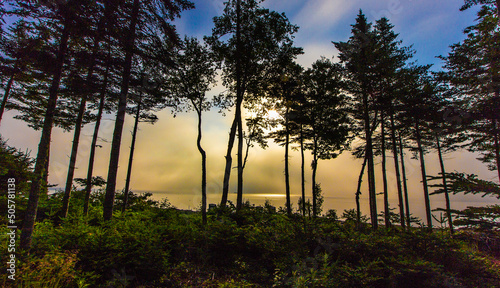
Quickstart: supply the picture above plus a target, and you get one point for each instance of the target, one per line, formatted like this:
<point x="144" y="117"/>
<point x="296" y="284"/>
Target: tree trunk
<point x="248" y="142"/>
<point x="405" y="184"/>
<point x="239" y="199"/>
<point x="43" y="147"/>
<point x="287" y="174"/>
<point x="229" y="160"/>
<point x="398" y="176"/>
<point x="302" y="172"/>
<point x="120" y="117"/>
<point x="203" y="169"/>
<point x="445" y="186"/>
<point x="424" y="177"/>
<point x="314" y="168"/>
<point x="239" y="92"/>
<point x="6" y="94"/>
<point x="90" y="170"/>
<point x="79" y="121"/>
<point x="387" y="212"/>
<point x="371" y="166"/>
<point x="131" y="156"/>
<point x="358" y="191"/>
<point x="72" y="159"/>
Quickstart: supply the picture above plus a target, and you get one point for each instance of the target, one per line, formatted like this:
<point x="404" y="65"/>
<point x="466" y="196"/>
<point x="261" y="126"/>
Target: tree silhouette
<point x="64" y="18"/>
<point x="146" y="19"/>
<point x="328" y="123"/>
<point x="190" y="81"/>
<point x="357" y="54"/>
<point x="473" y="68"/>
<point x="247" y="39"/>
<point x="286" y="88"/>
<point x="97" y="35"/>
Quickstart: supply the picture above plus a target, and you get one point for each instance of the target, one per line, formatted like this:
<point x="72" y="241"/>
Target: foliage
<point x="14" y="164"/>
<point x="97" y="181"/>
<point x="151" y="246"/>
<point x="483" y="218"/>
<point x="473" y="70"/>
<point x="472" y="217"/>
<point x="467" y="184"/>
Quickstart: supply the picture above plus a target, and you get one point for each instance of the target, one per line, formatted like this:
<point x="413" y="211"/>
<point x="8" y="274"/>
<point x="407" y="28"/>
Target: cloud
<point x="313" y="51"/>
<point x="321" y="15"/>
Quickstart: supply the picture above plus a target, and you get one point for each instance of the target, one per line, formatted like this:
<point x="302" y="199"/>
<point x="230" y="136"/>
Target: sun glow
<point x="273" y="115"/>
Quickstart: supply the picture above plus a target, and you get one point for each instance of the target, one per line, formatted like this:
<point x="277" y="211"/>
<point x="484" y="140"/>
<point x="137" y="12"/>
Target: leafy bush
<point x="155" y="245"/>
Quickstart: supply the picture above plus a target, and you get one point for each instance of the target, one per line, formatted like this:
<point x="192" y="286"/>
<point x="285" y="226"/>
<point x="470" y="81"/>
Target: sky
<point x="166" y="157"/>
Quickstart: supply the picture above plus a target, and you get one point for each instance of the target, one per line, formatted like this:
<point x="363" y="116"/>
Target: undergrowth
<point x="156" y="245"/>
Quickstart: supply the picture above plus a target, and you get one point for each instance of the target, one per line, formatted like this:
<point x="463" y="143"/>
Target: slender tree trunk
<point x="358" y="191"/>
<point x="90" y="170"/>
<point x="387" y="212"/>
<point x="314" y="168"/>
<point x="43" y="147"/>
<point x="79" y="121"/>
<point x="131" y="156"/>
<point x="287" y="174"/>
<point x="424" y="177"/>
<point x="445" y="185"/>
<point x="72" y="159"/>
<point x="302" y="171"/>
<point x="398" y="176"/>
<point x="248" y="142"/>
<point x="120" y="117"/>
<point x="239" y="92"/>
<point x="7" y="94"/>
<point x="229" y="160"/>
<point x="203" y="169"/>
<point x="371" y="165"/>
<point x="405" y="184"/>
<point x="239" y="199"/>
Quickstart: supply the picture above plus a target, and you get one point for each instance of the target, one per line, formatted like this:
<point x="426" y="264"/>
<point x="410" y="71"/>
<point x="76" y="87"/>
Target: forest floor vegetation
<point x="154" y="244"/>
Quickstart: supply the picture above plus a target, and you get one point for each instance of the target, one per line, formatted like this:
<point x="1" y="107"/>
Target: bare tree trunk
<point x="371" y="166"/>
<point x="72" y="159"/>
<point x="358" y="191"/>
<point x="203" y="168"/>
<point x="7" y="94"/>
<point x="302" y="171"/>
<point x="239" y="199"/>
<point x="445" y="186"/>
<point x="398" y="176"/>
<point x="424" y="177"/>
<point x="387" y="212"/>
<point x="287" y="174"/>
<point x="248" y="142"/>
<point x="131" y="156"/>
<point x="79" y="120"/>
<point x="120" y="117"/>
<point x="43" y="147"/>
<point x="405" y="184"/>
<point x="239" y="92"/>
<point x="229" y="160"/>
<point x="314" y="169"/>
<point x="90" y="170"/>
